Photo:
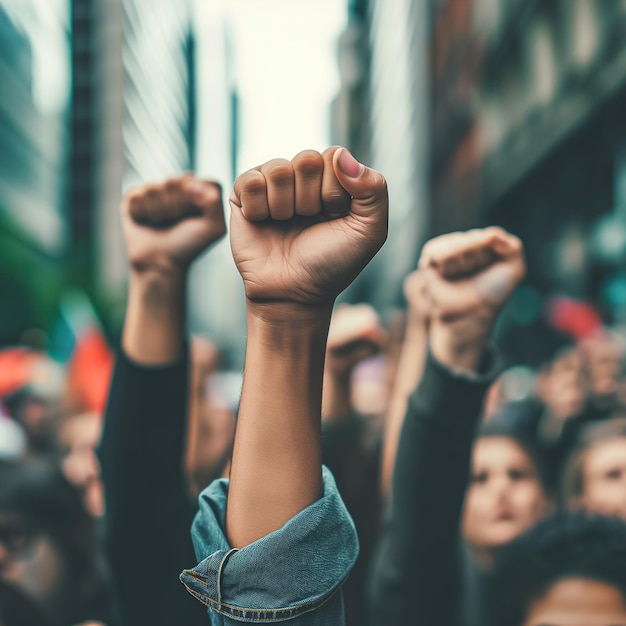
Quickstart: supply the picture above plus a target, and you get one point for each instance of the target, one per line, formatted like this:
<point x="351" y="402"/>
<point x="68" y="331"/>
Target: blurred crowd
<point x="92" y="524"/>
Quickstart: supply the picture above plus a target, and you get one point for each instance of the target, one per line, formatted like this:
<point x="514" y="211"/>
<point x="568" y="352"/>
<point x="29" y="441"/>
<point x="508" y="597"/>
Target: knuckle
<point x="496" y="231"/>
<point x="329" y="152"/>
<point x="308" y="164"/>
<point x="254" y="186"/>
<point x="214" y="186"/>
<point x="133" y="201"/>
<point x="213" y="194"/>
<point x="280" y="172"/>
<point x="172" y="184"/>
<point x="154" y="195"/>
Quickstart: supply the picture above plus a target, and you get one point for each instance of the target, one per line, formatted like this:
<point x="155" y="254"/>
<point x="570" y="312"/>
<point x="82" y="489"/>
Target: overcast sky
<point x="286" y="63"/>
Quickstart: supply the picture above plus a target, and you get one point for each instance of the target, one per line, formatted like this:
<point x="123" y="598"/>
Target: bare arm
<point x="408" y="374"/>
<point x="166" y="227"/>
<point x="298" y="240"/>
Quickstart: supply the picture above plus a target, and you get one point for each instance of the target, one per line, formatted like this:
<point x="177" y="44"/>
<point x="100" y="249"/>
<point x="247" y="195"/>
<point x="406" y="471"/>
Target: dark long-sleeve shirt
<point x="149" y="514"/>
<point x="416" y="574"/>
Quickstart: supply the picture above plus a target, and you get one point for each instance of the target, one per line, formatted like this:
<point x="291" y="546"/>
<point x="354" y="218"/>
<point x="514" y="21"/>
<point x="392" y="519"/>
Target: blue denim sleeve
<point x="294" y="573"/>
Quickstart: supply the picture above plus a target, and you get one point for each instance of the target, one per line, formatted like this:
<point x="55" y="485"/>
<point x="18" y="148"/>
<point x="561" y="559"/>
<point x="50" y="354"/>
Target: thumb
<point x="367" y="187"/>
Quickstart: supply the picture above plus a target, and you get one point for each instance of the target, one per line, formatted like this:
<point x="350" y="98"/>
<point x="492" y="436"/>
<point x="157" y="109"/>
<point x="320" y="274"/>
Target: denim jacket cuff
<point x="288" y="573"/>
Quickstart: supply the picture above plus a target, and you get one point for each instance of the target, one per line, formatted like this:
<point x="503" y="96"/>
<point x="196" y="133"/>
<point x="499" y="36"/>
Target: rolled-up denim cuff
<point x="290" y="572"/>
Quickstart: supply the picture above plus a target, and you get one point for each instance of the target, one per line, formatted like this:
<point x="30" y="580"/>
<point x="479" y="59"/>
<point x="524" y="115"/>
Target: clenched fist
<point x="168" y="225"/>
<point x="467" y="279"/>
<point x="355" y="334"/>
<point x="302" y="230"/>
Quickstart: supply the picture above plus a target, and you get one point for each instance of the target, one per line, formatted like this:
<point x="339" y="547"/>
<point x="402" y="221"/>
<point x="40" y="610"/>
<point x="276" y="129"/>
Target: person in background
<point x="548" y="421"/>
<point x="594" y="477"/>
<point x="603" y="353"/>
<point x="464" y="280"/>
<point x="275" y="543"/>
<point x="566" y="571"/>
<point x="148" y="510"/>
<point x="38" y="417"/>
<point x="48" y="549"/>
<point x="579" y="387"/>
<point x="508" y="491"/>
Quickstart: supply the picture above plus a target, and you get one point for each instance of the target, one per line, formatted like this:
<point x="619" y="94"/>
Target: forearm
<point x="408" y="376"/>
<point x="418" y="558"/>
<point x="461" y="346"/>
<point x="276" y="468"/>
<point x="142" y="444"/>
<point x="143" y="436"/>
<point x="141" y="459"/>
<point x="154" y="329"/>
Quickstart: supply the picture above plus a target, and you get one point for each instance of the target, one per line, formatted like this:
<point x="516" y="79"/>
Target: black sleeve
<point x="415" y="576"/>
<point x="148" y="513"/>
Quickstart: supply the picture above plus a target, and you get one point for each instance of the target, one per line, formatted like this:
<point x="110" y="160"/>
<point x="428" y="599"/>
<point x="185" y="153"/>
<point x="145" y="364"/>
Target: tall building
<point x="528" y="132"/>
<point x="34" y="134"/>
<point x="381" y="113"/>
<point x="502" y="112"/>
<point x="101" y="95"/>
<point x="170" y="105"/>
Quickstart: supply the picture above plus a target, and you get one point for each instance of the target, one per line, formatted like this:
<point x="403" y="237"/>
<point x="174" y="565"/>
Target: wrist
<point x="295" y="336"/>
<point x="165" y="275"/>
<point x="415" y="318"/>
<point x="158" y="289"/>
<point x="289" y="316"/>
<point x="154" y="328"/>
<point x="460" y="345"/>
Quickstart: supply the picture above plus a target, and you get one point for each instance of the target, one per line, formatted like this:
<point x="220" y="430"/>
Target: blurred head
<point x="603" y="355"/>
<point x="594" y="478"/>
<point x="560" y="385"/>
<point x="507" y="492"/>
<point x="47" y="540"/>
<point x="566" y="571"/>
<point x="36" y="417"/>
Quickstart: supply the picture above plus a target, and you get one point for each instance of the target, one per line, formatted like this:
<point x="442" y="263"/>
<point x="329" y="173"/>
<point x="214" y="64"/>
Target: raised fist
<point x="467" y="271"/>
<point x="355" y="334"/>
<point x="302" y="230"/>
<point x="168" y="225"/>
<point x="468" y="277"/>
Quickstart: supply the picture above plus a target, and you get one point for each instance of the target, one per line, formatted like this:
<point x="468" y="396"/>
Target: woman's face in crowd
<point x="578" y="602"/>
<point x="604" y="478"/>
<point x="505" y="496"/>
